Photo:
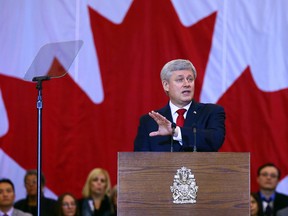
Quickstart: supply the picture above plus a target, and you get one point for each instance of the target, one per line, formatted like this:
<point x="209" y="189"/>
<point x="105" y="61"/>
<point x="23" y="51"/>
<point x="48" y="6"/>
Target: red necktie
<point x="180" y="119"/>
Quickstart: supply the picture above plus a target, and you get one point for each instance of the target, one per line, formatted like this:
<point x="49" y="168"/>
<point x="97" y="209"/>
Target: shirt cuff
<point x="179" y="135"/>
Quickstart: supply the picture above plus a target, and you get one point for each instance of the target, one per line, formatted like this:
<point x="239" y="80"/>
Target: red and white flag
<point x="238" y="47"/>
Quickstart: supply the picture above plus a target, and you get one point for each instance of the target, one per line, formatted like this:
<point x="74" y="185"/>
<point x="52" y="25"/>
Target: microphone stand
<point x="64" y="52"/>
<point x="39" y="81"/>
<point x="173" y="125"/>
<point x="195" y="146"/>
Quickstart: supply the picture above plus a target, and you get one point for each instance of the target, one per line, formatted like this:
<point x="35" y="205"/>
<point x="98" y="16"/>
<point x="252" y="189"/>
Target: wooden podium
<point x="144" y="180"/>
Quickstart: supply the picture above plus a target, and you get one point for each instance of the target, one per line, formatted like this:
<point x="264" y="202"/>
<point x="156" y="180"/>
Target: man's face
<point x="31" y="185"/>
<point x="268" y="178"/>
<point x="7" y="195"/>
<point x="180" y="87"/>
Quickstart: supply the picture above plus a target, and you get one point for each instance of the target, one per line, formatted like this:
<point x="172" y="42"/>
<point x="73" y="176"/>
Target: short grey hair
<point x="175" y="65"/>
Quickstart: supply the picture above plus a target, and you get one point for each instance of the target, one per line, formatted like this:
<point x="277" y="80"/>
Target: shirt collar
<point x="174" y="108"/>
<point x="271" y="198"/>
<point x="9" y="213"/>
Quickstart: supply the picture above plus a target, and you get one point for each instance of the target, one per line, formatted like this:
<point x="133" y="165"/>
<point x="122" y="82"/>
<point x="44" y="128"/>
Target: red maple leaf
<point x="252" y="128"/>
<point x="79" y="135"/>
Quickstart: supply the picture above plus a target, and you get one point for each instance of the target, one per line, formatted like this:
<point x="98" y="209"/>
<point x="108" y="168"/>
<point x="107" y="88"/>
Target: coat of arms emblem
<point x="184" y="188"/>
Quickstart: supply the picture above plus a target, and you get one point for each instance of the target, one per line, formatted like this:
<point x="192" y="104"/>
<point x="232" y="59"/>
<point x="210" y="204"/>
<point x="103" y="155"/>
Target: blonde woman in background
<point x="96" y="201"/>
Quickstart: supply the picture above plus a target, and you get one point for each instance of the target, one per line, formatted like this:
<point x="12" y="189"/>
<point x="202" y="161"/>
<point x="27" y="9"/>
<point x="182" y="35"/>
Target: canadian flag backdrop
<point x="239" y="48"/>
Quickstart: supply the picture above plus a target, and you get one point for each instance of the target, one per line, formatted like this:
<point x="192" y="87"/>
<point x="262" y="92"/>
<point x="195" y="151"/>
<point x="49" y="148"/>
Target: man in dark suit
<point x="199" y="126"/>
<point x="270" y="201"/>
<point x="29" y="204"/>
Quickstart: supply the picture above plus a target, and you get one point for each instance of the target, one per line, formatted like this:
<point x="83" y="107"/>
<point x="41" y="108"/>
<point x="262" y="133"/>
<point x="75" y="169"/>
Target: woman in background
<point x="254" y="208"/>
<point x="96" y="200"/>
<point x="114" y="196"/>
<point x="67" y="205"/>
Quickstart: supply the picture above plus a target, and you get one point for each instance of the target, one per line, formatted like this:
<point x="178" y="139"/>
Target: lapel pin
<point x="194" y="112"/>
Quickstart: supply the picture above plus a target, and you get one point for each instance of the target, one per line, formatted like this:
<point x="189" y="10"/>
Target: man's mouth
<point x="186" y="92"/>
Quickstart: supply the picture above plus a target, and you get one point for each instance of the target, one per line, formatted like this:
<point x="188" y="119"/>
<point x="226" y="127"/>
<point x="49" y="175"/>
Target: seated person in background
<point x="67" y="205"/>
<point x="30" y="203"/>
<point x="254" y="208"/>
<point x="7" y="197"/>
<point x="114" y="196"/>
<point x="270" y="201"/>
<point x="157" y="132"/>
<point x="282" y="212"/>
<point x="95" y="201"/>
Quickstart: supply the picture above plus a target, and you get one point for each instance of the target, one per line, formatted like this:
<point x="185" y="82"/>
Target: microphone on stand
<point x="195" y="138"/>
<point x="173" y="125"/>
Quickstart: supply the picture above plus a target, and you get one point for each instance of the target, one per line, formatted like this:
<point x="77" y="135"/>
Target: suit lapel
<point x="166" y="111"/>
<point x="192" y="114"/>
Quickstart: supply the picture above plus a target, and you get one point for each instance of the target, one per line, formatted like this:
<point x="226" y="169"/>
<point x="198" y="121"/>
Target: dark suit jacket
<point x="208" y="119"/>
<point x="106" y="208"/>
<point x="49" y="206"/>
<point x="280" y="202"/>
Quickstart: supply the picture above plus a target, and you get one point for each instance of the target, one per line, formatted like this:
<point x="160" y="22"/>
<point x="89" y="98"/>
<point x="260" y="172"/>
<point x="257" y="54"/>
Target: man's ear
<point x="165" y="85"/>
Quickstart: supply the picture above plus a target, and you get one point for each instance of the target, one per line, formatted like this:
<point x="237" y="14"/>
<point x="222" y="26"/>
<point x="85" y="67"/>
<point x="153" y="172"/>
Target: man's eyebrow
<point x="181" y="75"/>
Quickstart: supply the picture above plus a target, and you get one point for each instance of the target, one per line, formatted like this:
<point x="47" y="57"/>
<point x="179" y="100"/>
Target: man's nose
<point x="187" y="82"/>
<point x="5" y="194"/>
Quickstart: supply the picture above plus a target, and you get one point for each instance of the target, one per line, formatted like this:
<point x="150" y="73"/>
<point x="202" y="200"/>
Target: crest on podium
<point x="184" y="188"/>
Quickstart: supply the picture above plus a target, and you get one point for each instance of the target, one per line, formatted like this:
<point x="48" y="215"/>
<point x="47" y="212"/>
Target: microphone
<point x="173" y="125"/>
<point x="195" y="143"/>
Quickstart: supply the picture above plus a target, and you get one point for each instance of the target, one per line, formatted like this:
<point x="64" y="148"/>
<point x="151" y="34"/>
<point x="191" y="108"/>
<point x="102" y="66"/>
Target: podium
<point x="145" y="182"/>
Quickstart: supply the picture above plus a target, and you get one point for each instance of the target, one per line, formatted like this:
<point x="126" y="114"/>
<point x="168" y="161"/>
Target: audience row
<point x="99" y="200"/>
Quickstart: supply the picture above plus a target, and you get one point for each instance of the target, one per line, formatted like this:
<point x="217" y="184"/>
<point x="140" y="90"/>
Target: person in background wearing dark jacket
<point x="114" y="198"/>
<point x="270" y="201"/>
<point x="96" y="191"/>
<point x="67" y="205"/>
<point x="254" y="206"/>
<point x="282" y="212"/>
<point x="29" y="204"/>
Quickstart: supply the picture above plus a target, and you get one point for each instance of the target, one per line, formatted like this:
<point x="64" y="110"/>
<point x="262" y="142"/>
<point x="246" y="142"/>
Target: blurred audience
<point x="254" y="208"/>
<point x="29" y="204"/>
<point x="270" y="201"/>
<point x="7" y="197"/>
<point x="96" y="201"/>
<point x="67" y="205"/>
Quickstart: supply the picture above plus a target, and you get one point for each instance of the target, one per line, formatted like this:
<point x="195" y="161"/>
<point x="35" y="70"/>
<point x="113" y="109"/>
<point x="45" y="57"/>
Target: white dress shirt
<point x="174" y="117"/>
<point x="9" y="213"/>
